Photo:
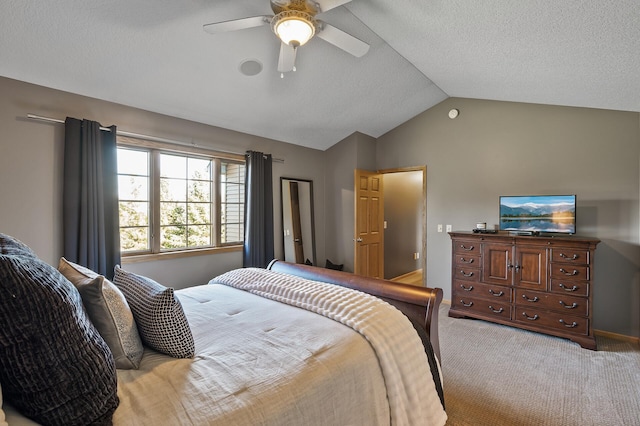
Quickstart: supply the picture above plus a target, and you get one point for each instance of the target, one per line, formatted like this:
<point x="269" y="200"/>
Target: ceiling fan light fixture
<point x="294" y="27"/>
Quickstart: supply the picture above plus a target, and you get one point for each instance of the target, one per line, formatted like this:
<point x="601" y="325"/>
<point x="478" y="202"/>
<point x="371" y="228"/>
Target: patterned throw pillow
<point x="109" y="311"/>
<point x="159" y="315"/>
<point x="54" y="366"/>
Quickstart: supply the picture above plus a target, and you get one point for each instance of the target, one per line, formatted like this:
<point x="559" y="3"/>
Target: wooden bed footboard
<point x="419" y="304"/>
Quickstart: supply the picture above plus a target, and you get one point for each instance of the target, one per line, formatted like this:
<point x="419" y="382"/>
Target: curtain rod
<point x="140" y="136"/>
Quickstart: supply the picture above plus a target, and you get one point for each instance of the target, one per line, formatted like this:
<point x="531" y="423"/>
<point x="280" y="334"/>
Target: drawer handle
<point x="496" y="311"/>
<point x="535" y="298"/>
<point x="466" y="305"/>
<point x="575" y="272"/>
<point x="470" y="274"/>
<point x="466" y="288"/>
<point x="572" y="325"/>
<point x="533" y="318"/>
<point x="562" y="286"/>
<point x="572" y="306"/>
<point x="463" y="247"/>
<point x="564" y="256"/>
<point x="463" y="260"/>
<point x="493" y="293"/>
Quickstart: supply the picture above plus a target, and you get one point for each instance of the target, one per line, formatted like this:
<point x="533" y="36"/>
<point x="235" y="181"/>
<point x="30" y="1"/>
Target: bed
<point x="287" y="346"/>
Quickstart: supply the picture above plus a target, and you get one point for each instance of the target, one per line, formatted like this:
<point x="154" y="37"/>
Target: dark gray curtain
<point x="258" y="213"/>
<point x="90" y="196"/>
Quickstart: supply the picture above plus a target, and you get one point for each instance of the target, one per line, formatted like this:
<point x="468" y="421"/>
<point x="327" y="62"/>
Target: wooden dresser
<point x="542" y="284"/>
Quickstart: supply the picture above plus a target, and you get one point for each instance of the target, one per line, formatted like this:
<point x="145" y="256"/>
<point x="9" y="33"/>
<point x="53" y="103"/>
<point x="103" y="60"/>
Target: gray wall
<point x="31" y="168"/>
<point x="354" y="152"/>
<point x="492" y="148"/>
<point x="502" y="148"/>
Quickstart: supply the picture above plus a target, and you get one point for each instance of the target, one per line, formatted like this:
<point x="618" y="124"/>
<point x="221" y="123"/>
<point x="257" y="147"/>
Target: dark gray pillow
<point x="54" y="366"/>
<point x="330" y="265"/>
<point x="12" y="246"/>
<point x="159" y="315"/>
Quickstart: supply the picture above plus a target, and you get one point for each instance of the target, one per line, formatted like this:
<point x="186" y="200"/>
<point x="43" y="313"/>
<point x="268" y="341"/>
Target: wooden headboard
<point x="419" y="304"/>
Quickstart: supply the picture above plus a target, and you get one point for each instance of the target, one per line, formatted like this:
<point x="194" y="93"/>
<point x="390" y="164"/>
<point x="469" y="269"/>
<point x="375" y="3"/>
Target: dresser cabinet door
<point x="497" y="265"/>
<point x="531" y="268"/>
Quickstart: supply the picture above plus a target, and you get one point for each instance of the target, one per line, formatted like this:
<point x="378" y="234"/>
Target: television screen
<point x="538" y="213"/>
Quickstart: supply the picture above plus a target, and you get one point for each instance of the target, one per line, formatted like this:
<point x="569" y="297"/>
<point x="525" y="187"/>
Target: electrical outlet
<point x="440" y="228"/>
<point x="448" y="228"/>
<point x="416" y="256"/>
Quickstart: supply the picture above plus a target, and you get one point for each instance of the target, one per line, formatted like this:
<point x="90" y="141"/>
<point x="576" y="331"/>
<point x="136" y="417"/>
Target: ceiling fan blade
<point x="236" y="24"/>
<point x="330" y="4"/>
<point x="344" y="41"/>
<point x="287" y="59"/>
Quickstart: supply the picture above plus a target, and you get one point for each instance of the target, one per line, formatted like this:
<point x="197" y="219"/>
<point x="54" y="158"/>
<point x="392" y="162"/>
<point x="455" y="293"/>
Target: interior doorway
<point x="400" y="247"/>
<point x="405" y="225"/>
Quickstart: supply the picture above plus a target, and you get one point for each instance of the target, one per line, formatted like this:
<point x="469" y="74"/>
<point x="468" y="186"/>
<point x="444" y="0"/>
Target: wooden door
<point x="369" y="219"/>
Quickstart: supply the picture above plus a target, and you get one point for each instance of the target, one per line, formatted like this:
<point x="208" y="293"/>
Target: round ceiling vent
<point x="250" y="67"/>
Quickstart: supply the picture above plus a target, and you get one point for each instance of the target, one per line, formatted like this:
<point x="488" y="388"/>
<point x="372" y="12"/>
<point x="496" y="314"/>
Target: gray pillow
<point x="159" y="315"/>
<point x="54" y="366"/>
<point x="109" y="311"/>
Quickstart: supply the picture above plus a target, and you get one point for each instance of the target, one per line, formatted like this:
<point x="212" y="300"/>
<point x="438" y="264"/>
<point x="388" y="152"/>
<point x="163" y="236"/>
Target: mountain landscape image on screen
<point x="555" y="213"/>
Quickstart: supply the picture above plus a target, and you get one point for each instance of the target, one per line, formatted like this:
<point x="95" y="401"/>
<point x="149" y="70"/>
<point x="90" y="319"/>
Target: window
<point x="178" y="200"/>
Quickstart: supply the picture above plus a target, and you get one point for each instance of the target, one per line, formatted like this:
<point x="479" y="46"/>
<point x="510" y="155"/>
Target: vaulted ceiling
<point x="154" y="55"/>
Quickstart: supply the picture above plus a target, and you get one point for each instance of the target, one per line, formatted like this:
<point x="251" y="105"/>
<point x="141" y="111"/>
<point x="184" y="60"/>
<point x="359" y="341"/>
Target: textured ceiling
<point x="154" y="55"/>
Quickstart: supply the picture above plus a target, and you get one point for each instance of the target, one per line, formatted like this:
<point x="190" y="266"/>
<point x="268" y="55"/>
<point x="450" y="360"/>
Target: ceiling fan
<point x="295" y="23"/>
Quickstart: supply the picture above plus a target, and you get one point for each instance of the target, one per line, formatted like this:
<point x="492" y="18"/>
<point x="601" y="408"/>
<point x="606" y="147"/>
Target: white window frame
<point x="155" y="149"/>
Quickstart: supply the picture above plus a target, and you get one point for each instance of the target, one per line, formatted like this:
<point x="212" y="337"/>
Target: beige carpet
<point x="497" y="375"/>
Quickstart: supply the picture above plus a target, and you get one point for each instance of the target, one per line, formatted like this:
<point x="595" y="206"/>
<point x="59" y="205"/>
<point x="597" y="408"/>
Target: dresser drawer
<point x="576" y="288"/>
<point x="570" y="255"/>
<point x="569" y="272"/>
<point x="487" y="308"/>
<point x="466" y="259"/>
<point x="555" y="320"/>
<point x="466" y="273"/>
<point x="575" y="305"/>
<point x="463" y="289"/>
<point x="467" y="247"/>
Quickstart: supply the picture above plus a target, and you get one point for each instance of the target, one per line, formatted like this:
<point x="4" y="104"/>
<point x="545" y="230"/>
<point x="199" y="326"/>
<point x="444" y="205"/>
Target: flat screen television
<point x="538" y="214"/>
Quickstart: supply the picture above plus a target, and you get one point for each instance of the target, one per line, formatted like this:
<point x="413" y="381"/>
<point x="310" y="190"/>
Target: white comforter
<point x="259" y="362"/>
<point x="413" y="399"/>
